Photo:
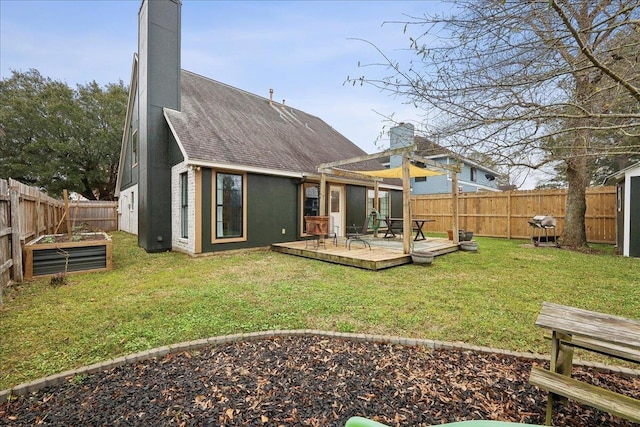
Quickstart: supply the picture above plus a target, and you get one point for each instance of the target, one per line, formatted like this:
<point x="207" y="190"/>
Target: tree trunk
<point x="575" y="234"/>
<point x="87" y="192"/>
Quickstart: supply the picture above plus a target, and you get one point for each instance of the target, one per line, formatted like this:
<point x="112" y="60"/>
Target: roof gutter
<point x="245" y="168"/>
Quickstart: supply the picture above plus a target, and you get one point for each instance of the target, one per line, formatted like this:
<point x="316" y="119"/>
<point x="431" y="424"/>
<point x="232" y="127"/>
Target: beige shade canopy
<point x="414" y="172"/>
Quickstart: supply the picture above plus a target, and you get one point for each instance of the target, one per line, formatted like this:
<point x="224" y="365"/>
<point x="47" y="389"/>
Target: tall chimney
<point x="400" y="136"/>
<point x="158" y="87"/>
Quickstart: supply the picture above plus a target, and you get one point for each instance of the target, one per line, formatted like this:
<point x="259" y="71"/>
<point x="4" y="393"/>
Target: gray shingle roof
<point x="222" y="124"/>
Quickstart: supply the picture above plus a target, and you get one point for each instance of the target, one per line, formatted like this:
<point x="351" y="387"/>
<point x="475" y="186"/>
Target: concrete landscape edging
<point x="57" y="379"/>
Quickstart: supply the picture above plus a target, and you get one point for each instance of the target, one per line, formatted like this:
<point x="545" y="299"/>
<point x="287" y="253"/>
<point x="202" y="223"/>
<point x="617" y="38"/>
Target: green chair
<point x="484" y="423"/>
<point x="364" y="422"/>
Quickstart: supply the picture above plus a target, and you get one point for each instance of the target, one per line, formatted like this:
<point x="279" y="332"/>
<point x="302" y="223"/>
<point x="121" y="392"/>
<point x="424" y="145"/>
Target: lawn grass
<point x="490" y="298"/>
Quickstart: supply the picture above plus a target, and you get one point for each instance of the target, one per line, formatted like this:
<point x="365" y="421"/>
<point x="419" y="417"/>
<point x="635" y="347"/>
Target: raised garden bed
<point x="55" y="254"/>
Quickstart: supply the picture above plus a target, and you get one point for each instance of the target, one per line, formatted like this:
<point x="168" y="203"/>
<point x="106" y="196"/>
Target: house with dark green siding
<point x="207" y="167"/>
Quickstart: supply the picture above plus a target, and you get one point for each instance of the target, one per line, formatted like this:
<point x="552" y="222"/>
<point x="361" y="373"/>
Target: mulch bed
<point x="309" y="381"/>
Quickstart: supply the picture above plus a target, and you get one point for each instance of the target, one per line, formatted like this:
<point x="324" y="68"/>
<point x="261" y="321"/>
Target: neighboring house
<point x="627" y="182"/>
<point x="207" y="167"/>
<point x="472" y="178"/>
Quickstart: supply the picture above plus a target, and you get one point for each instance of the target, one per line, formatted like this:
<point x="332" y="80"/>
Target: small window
<point x="134" y="148"/>
<point x="619" y="197"/>
<point x="184" y="205"/>
<point x="474" y="175"/>
<point x="421" y="179"/>
<point x="335" y="201"/>
<point x="133" y="200"/>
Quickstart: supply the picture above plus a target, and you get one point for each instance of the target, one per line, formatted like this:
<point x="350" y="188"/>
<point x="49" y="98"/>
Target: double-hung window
<point x="229" y="206"/>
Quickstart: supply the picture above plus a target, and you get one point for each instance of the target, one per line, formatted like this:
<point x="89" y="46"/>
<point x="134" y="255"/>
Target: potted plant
<point x="469" y="246"/>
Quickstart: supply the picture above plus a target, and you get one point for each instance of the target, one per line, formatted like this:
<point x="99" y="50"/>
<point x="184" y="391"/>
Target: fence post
<point x="34" y="216"/>
<point x="509" y="214"/>
<point x="16" y="237"/>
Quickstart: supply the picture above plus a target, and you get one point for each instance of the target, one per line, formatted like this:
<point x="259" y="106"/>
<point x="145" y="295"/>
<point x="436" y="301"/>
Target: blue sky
<point x="302" y="49"/>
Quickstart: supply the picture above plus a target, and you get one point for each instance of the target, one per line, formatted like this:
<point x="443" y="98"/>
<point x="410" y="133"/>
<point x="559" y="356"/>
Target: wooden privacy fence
<point x="505" y="214"/>
<point x="26" y="213"/>
<point x="94" y="215"/>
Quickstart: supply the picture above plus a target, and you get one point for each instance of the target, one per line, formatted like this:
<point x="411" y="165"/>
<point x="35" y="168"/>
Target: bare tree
<point x="532" y="83"/>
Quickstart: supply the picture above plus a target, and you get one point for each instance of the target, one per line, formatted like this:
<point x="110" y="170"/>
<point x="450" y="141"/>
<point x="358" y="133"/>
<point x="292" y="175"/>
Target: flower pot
<point x="465" y="235"/>
<point x="422" y="257"/>
<point x="469" y="246"/>
<point x="450" y="234"/>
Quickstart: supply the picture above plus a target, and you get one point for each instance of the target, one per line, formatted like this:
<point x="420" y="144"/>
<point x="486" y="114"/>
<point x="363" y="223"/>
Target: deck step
<point x="606" y="400"/>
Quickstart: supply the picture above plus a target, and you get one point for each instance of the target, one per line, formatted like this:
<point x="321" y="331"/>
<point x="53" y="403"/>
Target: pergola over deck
<point x="407" y="171"/>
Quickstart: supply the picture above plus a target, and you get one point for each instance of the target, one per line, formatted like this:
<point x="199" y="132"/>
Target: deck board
<point x="384" y="253"/>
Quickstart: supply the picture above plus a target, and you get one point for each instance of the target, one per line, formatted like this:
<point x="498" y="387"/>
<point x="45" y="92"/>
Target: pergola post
<point x="406" y="205"/>
<point x="323" y="195"/>
<point x="376" y="204"/>
<point x="454" y="201"/>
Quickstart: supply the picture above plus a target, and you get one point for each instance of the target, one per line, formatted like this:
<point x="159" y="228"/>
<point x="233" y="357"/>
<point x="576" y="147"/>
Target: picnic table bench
<point x="601" y="333"/>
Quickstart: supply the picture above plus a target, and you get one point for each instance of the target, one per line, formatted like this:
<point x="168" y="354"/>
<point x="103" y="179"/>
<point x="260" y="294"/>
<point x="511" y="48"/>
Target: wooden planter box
<point x="91" y="253"/>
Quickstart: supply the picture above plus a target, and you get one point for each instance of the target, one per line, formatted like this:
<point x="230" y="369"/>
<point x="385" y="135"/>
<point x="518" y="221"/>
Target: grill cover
<point x="543" y="221"/>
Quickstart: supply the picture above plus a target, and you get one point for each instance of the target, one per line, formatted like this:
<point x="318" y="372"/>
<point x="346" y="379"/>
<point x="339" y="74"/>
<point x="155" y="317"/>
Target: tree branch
<point x="634" y="91"/>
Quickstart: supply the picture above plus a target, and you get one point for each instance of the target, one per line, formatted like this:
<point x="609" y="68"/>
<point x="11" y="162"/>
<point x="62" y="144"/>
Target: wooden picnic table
<point x="572" y="327"/>
<point x="397" y="224"/>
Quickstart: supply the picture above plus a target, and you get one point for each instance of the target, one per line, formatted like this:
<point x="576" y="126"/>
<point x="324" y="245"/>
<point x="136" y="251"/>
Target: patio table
<point x="397" y="222"/>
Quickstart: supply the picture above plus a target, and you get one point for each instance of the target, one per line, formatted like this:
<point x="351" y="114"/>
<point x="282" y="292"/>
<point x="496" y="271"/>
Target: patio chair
<point x="357" y="236"/>
<point x="365" y="422"/>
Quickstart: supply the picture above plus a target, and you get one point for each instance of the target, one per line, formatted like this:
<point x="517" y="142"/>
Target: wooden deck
<point x="384" y="253"/>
